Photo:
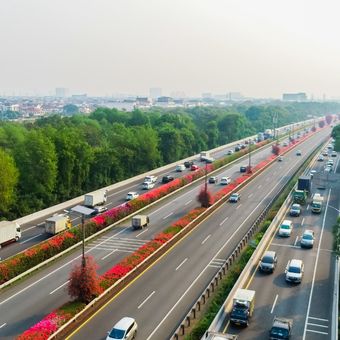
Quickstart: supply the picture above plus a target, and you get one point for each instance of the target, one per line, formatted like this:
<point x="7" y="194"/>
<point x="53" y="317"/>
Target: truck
<point x="243" y="307"/>
<point x="219" y="336"/>
<point x="300" y="196"/>
<point x="152" y="179"/>
<point x="92" y="199"/>
<point x="317" y="202"/>
<point x="204" y="155"/>
<point x="9" y="231"/>
<point x="57" y="224"/>
<point x="140" y="221"/>
<point x="268" y="133"/>
<point x="260" y="136"/>
<point x="304" y="183"/>
<point x="281" y="329"/>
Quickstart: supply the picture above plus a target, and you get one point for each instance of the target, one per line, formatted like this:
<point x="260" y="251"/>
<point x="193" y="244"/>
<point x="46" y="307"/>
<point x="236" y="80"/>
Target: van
<point x="180" y="167"/>
<point x="125" y="329"/>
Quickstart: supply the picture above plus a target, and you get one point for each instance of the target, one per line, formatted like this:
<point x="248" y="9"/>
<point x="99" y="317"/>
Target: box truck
<point x="317" y="202"/>
<point x="95" y="198"/>
<point x="57" y="224"/>
<point x="9" y="231"/>
<point x="243" y="307"/>
<point x="140" y="221"/>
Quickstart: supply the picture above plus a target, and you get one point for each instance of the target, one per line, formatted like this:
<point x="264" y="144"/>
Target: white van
<point x="180" y="167"/>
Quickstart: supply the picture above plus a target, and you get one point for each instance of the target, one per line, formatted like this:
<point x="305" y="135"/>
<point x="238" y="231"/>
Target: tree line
<point x="57" y="158"/>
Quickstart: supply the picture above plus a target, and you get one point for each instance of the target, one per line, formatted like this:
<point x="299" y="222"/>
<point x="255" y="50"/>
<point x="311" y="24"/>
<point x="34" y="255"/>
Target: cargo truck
<point x="95" y="198"/>
<point x="204" y="155"/>
<point x="9" y="231"/>
<point x="140" y="221"/>
<point x="243" y="307"/>
<point x="57" y="224"/>
<point x="219" y="336"/>
<point x="317" y="202"/>
<point x="300" y="196"/>
<point x="304" y="183"/>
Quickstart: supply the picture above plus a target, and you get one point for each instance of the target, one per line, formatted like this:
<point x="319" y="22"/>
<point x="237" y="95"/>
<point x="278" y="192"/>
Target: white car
<point x="225" y="180"/>
<point x="286" y="228"/>
<point x="131" y="195"/>
<point x="180" y="167"/>
<point x="124" y="329"/>
<point x="307" y="239"/>
<point x="230" y="152"/>
<point x="294" y="271"/>
<point x="148" y="185"/>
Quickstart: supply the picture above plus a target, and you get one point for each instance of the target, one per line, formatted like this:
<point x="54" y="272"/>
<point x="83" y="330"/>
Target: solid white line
<point x="326" y="320"/>
<point x="185" y="260"/>
<point x="188" y="202"/>
<point x="31" y="238"/>
<point x="4" y="324"/>
<point x="271" y="312"/>
<point x="316" y="265"/>
<point x="297" y="238"/>
<point x="250" y="195"/>
<point x="167" y="216"/>
<point x="310" y="330"/>
<point x="238" y="206"/>
<point x="224" y="220"/>
<point x="206" y="239"/>
<point x="110" y="253"/>
<point x="65" y="283"/>
<point x="315" y="324"/>
<point x="142" y="232"/>
<point x="219" y="260"/>
<point x="303" y="220"/>
<point x="146" y="300"/>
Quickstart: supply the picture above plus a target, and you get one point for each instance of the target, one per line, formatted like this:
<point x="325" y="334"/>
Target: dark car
<point x="188" y="164"/>
<point x="281" y="329"/>
<point x="295" y="210"/>
<point x="167" y="179"/>
<point x="213" y="179"/>
<point x="268" y="262"/>
<point x="243" y="169"/>
<point x="237" y="148"/>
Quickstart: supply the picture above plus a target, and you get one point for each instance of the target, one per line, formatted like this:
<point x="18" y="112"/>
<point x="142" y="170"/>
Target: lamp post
<point x="249" y="153"/>
<point x="83" y="211"/>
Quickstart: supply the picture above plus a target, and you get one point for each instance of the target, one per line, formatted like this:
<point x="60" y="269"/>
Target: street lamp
<point x="83" y="211"/>
<point x="249" y="153"/>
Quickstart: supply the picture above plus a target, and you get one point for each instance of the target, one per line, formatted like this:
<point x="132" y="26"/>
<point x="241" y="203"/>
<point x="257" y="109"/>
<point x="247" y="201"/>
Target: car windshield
<point x="234" y="195"/>
<point x="294" y="269"/>
<point x="284" y="226"/>
<point x="267" y="259"/>
<point x="116" y="334"/>
<point x="296" y="207"/>
<point x="307" y="237"/>
<point x="279" y="331"/>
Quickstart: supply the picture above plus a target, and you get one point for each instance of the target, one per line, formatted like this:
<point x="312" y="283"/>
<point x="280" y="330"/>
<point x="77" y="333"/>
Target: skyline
<point x="261" y="50"/>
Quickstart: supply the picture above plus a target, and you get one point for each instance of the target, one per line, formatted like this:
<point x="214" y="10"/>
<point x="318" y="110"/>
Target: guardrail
<point x="247" y="271"/>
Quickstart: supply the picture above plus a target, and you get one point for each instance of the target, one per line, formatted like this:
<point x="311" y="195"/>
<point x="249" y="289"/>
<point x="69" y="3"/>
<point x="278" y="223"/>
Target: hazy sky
<point x="261" y="48"/>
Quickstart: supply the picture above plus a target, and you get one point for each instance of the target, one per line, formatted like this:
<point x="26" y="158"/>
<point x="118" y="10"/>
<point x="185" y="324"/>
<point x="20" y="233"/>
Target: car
<point x="235" y="197"/>
<point x="295" y="210"/>
<point x="100" y="209"/>
<point x="294" y="271"/>
<point x="230" y="152"/>
<point x="298" y="153"/>
<point x="307" y="239"/>
<point x="268" y="261"/>
<point x="330" y="161"/>
<point x="325" y="153"/>
<point x="124" y="329"/>
<point x="237" y="148"/>
<point x="225" y="180"/>
<point x="243" y="168"/>
<point x="330" y="147"/>
<point x="286" y="228"/>
<point x="285" y="144"/>
<point x="320" y="158"/>
<point x="213" y="179"/>
<point x="148" y="185"/>
<point x="194" y="167"/>
<point x="209" y="159"/>
<point x="243" y="146"/>
<point x="131" y="195"/>
<point x="167" y="179"/>
<point x="334" y="154"/>
<point x="280" y="158"/>
<point x="188" y="164"/>
<point x="180" y="167"/>
<point x="281" y="329"/>
<point x="328" y="168"/>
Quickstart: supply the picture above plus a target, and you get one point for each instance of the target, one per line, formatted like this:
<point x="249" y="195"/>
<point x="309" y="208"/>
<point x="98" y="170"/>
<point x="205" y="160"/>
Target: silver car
<point x="307" y="239"/>
<point x="268" y="261"/>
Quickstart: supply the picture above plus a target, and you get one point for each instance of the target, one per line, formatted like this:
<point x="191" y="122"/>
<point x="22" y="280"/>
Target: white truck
<point x="9" y="231"/>
<point x="243" y="307"/>
<point x="140" y="221"/>
<point x="98" y="197"/>
<point x="219" y="336"/>
<point x="151" y="179"/>
<point x="57" y="224"/>
<point x="204" y="155"/>
<point x="317" y="202"/>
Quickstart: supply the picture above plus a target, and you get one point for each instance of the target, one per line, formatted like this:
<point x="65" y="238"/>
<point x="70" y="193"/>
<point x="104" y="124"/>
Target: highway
<point x="308" y="304"/>
<point x="161" y="297"/>
<point x="45" y="291"/>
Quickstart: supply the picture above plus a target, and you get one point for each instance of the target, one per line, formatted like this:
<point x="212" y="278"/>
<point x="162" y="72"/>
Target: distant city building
<point x="234" y="96"/>
<point x="207" y="95"/>
<point x="296" y="97"/>
<point x="61" y="92"/>
<point x="155" y="92"/>
<point x="79" y="96"/>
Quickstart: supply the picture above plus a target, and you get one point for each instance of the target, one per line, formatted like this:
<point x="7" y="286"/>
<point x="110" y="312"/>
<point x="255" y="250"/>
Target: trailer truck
<point x="243" y="307"/>
<point x="57" y="224"/>
<point x="9" y="231"/>
<point x="317" y="202"/>
<point x="98" y="197"/>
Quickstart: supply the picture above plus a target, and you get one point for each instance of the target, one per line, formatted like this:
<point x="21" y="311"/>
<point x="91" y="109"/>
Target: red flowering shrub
<point x="205" y="198"/>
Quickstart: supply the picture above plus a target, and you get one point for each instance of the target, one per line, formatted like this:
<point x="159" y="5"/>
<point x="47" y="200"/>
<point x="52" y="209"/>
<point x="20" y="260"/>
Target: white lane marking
<point x="54" y="271"/>
<point x="260" y="186"/>
<point x="224" y="220"/>
<point x="167" y="216"/>
<point x="316" y="325"/>
<point x="65" y="283"/>
<point x="238" y="206"/>
<point x="165" y="205"/>
<point x="3" y="325"/>
<point x="318" y="332"/>
<point x="185" y="260"/>
<point x="311" y="317"/>
<point x="316" y="265"/>
<point x="188" y="202"/>
<point x="27" y="229"/>
<point x="206" y="239"/>
<point x="250" y="195"/>
<point x="271" y="312"/>
<point x="31" y="238"/>
<point x="146" y="299"/>
<point x="297" y="238"/>
<point x="303" y="220"/>
<point x="307" y="207"/>
<point x="110" y="253"/>
<point x="202" y="272"/>
<point x="215" y="266"/>
<point x="142" y="232"/>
